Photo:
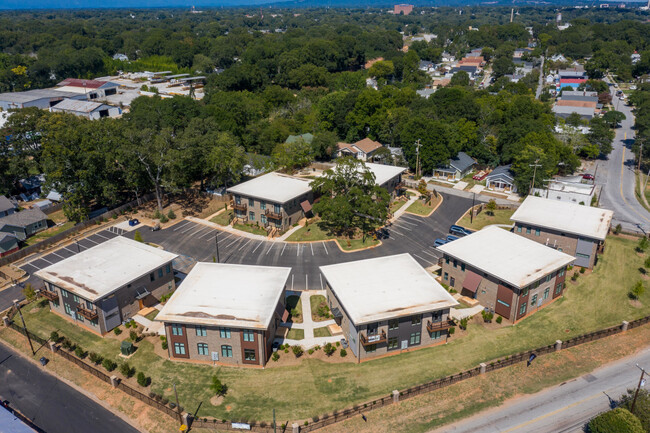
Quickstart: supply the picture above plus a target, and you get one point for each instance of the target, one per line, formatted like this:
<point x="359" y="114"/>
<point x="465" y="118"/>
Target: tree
<point x="503" y="66"/>
<point x="574" y="119"/>
<point x="600" y="135"/>
<point x="641" y="407"/>
<point x="618" y="420"/>
<point x="324" y="145"/>
<point x="291" y="156"/>
<point x="382" y="155"/>
<point x="351" y="200"/>
<point x="643" y="244"/>
<point x="490" y="207"/>
<point x="217" y="387"/>
<point x="226" y="160"/>
<point x="382" y="69"/>
<point x="29" y="293"/>
<point x="638" y="290"/>
<point x="460" y="78"/>
<point x="614" y="118"/>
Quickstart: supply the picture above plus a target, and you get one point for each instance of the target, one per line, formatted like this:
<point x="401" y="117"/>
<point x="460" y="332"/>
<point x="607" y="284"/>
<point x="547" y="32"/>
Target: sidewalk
<point x="466" y="194"/>
<point x="399" y="212"/>
<point x="308" y="324"/>
<point x="228" y="229"/>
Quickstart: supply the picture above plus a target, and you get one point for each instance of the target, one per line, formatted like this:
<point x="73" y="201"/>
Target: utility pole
<point x="417" y="160"/>
<point x="532" y="185"/>
<point x="178" y="406"/>
<point x="471" y="212"/>
<point x="638" y="387"/>
<point x="274" y="425"/>
<point x="640" y="154"/>
<point x="216" y="239"/>
<point x="20" y="313"/>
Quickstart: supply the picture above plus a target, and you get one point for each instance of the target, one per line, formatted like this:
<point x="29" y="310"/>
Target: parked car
<point x="588" y="176"/>
<point x="451" y="238"/>
<point x="134" y="222"/>
<point x="459" y="231"/>
<point x="439" y="242"/>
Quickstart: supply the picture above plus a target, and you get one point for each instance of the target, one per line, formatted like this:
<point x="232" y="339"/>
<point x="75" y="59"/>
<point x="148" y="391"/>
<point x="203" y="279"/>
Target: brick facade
<point x="256" y="210"/>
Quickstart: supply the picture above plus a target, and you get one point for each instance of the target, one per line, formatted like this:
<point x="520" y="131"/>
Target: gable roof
<point x="23" y="218"/>
<point x="79" y="106"/>
<point x="6" y="204"/>
<point x="367" y="145"/>
<point x="462" y="162"/>
<point x="501" y="171"/>
<point x="88" y="84"/>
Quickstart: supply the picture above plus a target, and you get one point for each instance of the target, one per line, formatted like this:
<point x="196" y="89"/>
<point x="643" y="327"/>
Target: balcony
<point x="273" y="215"/>
<point x="373" y="339"/>
<point x="50" y="296"/>
<point x="439" y="326"/>
<point x="240" y="206"/>
<point x="88" y="314"/>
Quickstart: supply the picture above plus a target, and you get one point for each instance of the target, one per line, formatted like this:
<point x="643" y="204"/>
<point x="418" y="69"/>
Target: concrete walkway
<point x="399" y="212"/>
<point x="149" y="325"/>
<point x="458" y="314"/>
<point x="228" y="229"/>
<point x="289" y="232"/>
<point x="308" y="324"/>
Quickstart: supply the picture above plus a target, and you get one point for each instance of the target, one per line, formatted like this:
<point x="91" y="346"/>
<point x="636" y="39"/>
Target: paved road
<point x="51" y="404"/>
<point x="562" y="409"/>
<point x="616" y="175"/>
<point x="540" y="85"/>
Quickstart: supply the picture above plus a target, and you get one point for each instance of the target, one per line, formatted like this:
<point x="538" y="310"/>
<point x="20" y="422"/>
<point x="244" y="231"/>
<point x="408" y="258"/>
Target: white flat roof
<point x="506" y="256"/>
<point x="384" y="288"/>
<point x="220" y="294"/>
<point x="384" y="173"/>
<point x="581" y="220"/>
<point x="274" y="187"/>
<point x="104" y="268"/>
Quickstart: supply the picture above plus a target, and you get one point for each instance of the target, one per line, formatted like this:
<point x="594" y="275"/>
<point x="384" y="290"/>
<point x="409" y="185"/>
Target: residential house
<point x="121" y="57"/>
<point x="41" y="98"/>
<point x="457" y="168"/>
<point x="565" y="111"/>
<point x="226" y="313"/>
<point x="387" y="305"/>
<point x="508" y="274"/>
<point x="574" y="192"/>
<point x="578" y="230"/>
<point x="32" y="185"/>
<point x="92" y="89"/>
<point x="501" y="179"/>
<point x="388" y="177"/>
<point x="275" y="201"/>
<point x="7" y="207"/>
<point x="103" y="286"/>
<point x="471" y="70"/>
<point x="447" y="58"/>
<point x="8" y="244"/>
<point x="427" y="66"/>
<point x="88" y="109"/>
<point x="362" y="149"/>
<point x="571" y="78"/>
<point x="24" y="224"/>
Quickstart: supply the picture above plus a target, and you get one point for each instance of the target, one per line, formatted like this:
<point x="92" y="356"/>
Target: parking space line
<point x="230" y="235"/>
<point x="311" y="244"/>
<point x="298" y="251"/>
<point x="292" y="282"/>
<point x="404" y="228"/>
<point x="206" y="234"/>
<point x="258" y="245"/>
<point x="432" y="255"/>
<point x="103" y="237"/>
<point x="391" y="230"/>
<point x="306" y="282"/>
<point x="72" y="251"/>
<point x="424" y="260"/>
<point x="57" y="255"/>
<point x="242" y="247"/>
<point x="196" y="232"/>
<point x="326" y="252"/>
<point x="202" y="233"/>
<point x="233" y="242"/>
<point x="191" y="227"/>
<point x="42" y="258"/>
<point x="405" y="222"/>
<point x="182" y="225"/>
<point x="269" y="250"/>
<point x="285" y="245"/>
<point x="88" y="239"/>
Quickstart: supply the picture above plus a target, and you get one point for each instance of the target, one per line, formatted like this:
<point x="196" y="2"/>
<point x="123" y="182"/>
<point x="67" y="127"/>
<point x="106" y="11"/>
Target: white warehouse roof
<point x="384" y="173"/>
<point x="384" y="288"/>
<point x="506" y="256"/>
<point x="581" y="220"/>
<point x="104" y="268"/>
<point x="222" y="294"/>
<point x="273" y="187"/>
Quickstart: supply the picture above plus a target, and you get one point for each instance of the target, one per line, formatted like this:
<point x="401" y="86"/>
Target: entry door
<point x="140" y="304"/>
<point x="405" y="344"/>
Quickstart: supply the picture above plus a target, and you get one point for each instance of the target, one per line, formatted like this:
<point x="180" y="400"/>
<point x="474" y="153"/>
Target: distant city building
<point x="403" y="9"/>
<point x="87" y="109"/>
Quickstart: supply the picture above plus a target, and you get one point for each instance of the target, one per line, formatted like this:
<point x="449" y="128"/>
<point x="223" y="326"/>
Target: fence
<point x="319" y="422"/>
<point x="24" y="252"/>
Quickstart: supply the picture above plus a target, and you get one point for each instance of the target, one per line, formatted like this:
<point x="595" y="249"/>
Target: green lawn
<point x="641" y="179"/>
<point x="293" y="302"/>
<point x="48" y="233"/>
<point x="296" y="334"/>
<point x="423" y="209"/>
<point x="223" y="218"/>
<point x="251" y="228"/>
<point x="598" y="300"/>
<point x="322" y="332"/>
<point x="312" y="232"/>
<point x="357" y="244"/>
<point x="315" y="301"/>
<point x="501" y="216"/>
<point x="396" y="205"/>
<point x="152" y="315"/>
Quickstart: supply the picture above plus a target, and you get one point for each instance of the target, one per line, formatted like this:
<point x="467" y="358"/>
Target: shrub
<point x="275" y="356"/>
<point x="582" y="270"/>
<point x="151" y="394"/>
<point x="143" y="380"/>
<point x="54" y="336"/>
<point x="95" y="358"/>
<point x="463" y="323"/>
<point x="452" y="330"/>
<point x="133" y="336"/>
<point x="117" y="330"/>
<point x="329" y="349"/>
<point x="172" y="404"/>
<point x="67" y="344"/>
<point x="171" y="215"/>
<point x="310" y="351"/>
<point x="29" y="292"/>
<point x="137" y="236"/>
<point x="163" y="338"/>
<point x="618" y="420"/>
<point x="343" y="353"/>
<point x="642" y="245"/>
<point x="499" y="319"/>
<point x="80" y="352"/>
<point x="163" y="219"/>
<point x="338" y="343"/>
<point x="109" y="365"/>
<point x="574" y="276"/>
<point x="618" y="229"/>
<point x="217" y="387"/>
<point x="637" y="291"/>
<point x="646" y="264"/>
<point x="164" y="345"/>
<point x="127" y="370"/>
<point x="487" y="316"/>
<point x="157" y="214"/>
<point x="164" y="400"/>
<point x="297" y="351"/>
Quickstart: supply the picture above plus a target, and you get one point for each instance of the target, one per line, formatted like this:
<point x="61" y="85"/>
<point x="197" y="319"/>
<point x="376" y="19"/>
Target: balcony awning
<point x="336" y="312"/>
<point x="306" y="206"/>
<point x="141" y="293"/>
<point x="472" y="281"/>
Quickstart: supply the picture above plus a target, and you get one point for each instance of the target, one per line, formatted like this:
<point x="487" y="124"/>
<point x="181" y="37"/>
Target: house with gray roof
<point x="501" y="179"/>
<point x="24" y="224"/>
<point x="88" y="109"/>
<point x="41" y="98"/>
<point x="7" y="207"/>
<point x="459" y="167"/>
<point x="8" y="244"/>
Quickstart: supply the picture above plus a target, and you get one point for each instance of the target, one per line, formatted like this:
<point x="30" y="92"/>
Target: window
<point x="435" y="335"/>
<point x="548" y="278"/>
<point x="202" y="348"/>
<point x="263" y="205"/>
<point x="392" y="343"/>
<point x="393" y="324"/>
<point x="446" y="276"/>
<point x="251" y="202"/>
<point x="263" y="219"/>
<point x="179" y="348"/>
<point x="558" y="288"/>
<point x="582" y="256"/>
<point x="371" y="348"/>
<point x="89" y="305"/>
<point x="226" y="351"/>
<point x="415" y="338"/>
<point x="537" y="232"/>
<point x="452" y="281"/>
<point x="249" y="354"/>
<point x="462" y="267"/>
<point x="168" y="268"/>
<point x="455" y="263"/>
<point x="177" y="329"/>
<point x="447" y="260"/>
<point x="548" y="289"/>
<point x="251" y="215"/>
<point x="76" y="299"/>
<point x="249" y="335"/>
<point x="152" y="277"/>
<point x="416" y="320"/>
<point x="518" y="229"/>
<point x="201" y="331"/>
<point x="224" y="332"/>
<point x="525" y="292"/>
<point x="64" y="293"/>
<point x="503" y="303"/>
<point x="277" y="209"/>
<point x="561" y="272"/>
<point x="533" y="300"/>
<point x="67" y="308"/>
<point x="160" y="273"/>
<point x="238" y="199"/>
<point x="93" y="322"/>
<point x="522" y="309"/>
<point x="373" y="328"/>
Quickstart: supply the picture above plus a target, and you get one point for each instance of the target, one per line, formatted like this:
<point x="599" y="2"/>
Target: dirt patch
<point x="216" y="400"/>
<point x="635" y="303"/>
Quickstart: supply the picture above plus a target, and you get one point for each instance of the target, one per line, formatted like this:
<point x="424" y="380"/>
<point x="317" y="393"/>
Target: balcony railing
<point x="50" y="296"/>
<point x="240" y="206"/>
<point x="273" y="215"/>
<point x="373" y="339"/>
<point x="88" y="314"/>
<point x="439" y="326"/>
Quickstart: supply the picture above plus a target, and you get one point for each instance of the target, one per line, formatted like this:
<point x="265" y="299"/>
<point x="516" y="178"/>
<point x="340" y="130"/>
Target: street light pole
<point x="638" y="387"/>
<point x="216" y="239"/>
<point x="417" y="159"/>
<point x="20" y="313"/>
<point x="532" y="186"/>
<point x="471" y="212"/>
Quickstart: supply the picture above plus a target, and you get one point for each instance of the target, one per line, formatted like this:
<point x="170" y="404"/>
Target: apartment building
<point x="388" y="177"/>
<point x="272" y="200"/>
<point x="387" y="305"/>
<point x="509" y="274"/>
<point x="101" y="287"/>
<point x="225" y="314"/>
<point x="578" y="230"/>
